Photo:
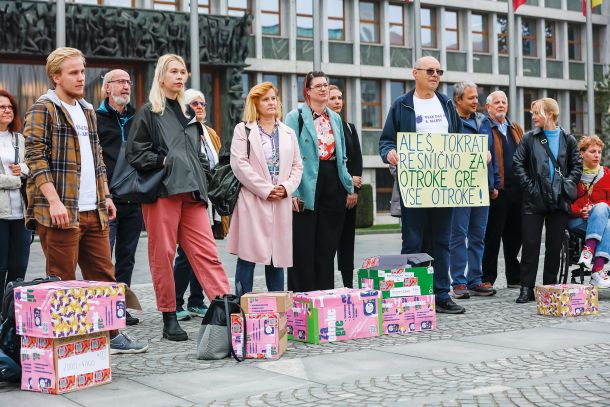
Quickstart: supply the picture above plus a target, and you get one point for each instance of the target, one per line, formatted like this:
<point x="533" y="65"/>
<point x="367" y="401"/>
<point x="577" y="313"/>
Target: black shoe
<point x="131" y="320"/>
<point x="526" y="295"/>
<point x="171" y="328"/>
<point x="449" y="307"/>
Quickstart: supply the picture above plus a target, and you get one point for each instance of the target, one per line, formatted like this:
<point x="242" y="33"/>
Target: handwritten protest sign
<point x="442" y="170"/>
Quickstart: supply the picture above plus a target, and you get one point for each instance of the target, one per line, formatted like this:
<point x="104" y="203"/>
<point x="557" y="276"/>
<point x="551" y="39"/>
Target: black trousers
<point x="124" y="235"/>
<point x="316" y="234"/>
<point x="345" y="254"/>
<point x="503" y="225"/>
<point x="555" y="223"/>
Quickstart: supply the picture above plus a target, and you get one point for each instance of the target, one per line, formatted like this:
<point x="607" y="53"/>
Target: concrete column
<point x="356" y="33"/>
<point x="564" y="53"/>
<point x="357" y="103"/>
<point x="541" y="35"/>
<point x="519" y="45"/>
<point x="294" y="94"/>
<point x="493" y="32"/>
<point x="384" y="12"/>
<point x="324" y="31"/>
<point x="564" y="106"/>
<point x="60" y="24"/>
<point x="292" y="30"/>
<point x="194" y="37"/>
<point x="258" y="29"/>
<point x="219" y="7"/>
<point x="467" y="36"/>
<point x="440" y="36"/>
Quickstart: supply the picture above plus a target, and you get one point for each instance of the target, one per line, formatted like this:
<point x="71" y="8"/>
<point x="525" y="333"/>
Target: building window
<point x="452" y="30"/>
<point x="336" y="20"/>
<point x="397" y="89"/>
<point x="371" y="103"/>
<point x="529" y="95"/>
<point x="577" y="114"/>
<point x="480" y="33"/>
<point x="369" y="22"/>
<point x="270" y="17"/>
<point x="549" y="34"/>
<point x="238" y="8"/>
<point x="384" y="184"/>
<point x="204" y="6"/>
<point x="275" y="79"/>
<point x="597" y="35"/>
<point x="428" y="28"/>
<point x="396" y="19"/>
<point x="502" y="24"/>
<point x="574" y="43"/>
<point x="528" y="32"/>
<point x="305" y="19"/>
<point x="118" y="3"/>
<point x="170" y="5"/>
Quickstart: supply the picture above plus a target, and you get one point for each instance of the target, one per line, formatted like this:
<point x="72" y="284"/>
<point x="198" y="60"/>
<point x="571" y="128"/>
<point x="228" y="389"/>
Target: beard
<point x="500" y="116"/>
<point x="120" y="100"/>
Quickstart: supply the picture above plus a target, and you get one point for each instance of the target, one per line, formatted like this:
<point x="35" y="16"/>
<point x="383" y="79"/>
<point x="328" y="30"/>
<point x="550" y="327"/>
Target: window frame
<point x="204" y="9"/>
<point x="175" y="3"/>
<point x="597" y="52"/>
<point x="278" y="13"/>
<point x="432" y="28"/>
<point x="247" y="10"/>
<point x="530" y="37"/>
<point x="103" y="3"/>
<point x="456" y="30"/>
<point x="502" y="34"/>
<point x="552" y="40"/>
<point x="342" y="19"/>
<point x="375" y="22"/>
<point x="401" y="24"/>
<point x="305" y="16"/>
<point x="379" y="103"/>
<point x="574" y="42"/>
<point x="484" y="33"/>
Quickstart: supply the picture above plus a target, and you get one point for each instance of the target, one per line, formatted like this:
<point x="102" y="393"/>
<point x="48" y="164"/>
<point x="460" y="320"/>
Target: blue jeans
<point x="468" y="223"/>
<point x="183" y="275"/>
<point x="596" y="227"/>
<point x="15" y="242"/>
<point x="436" y="223"/>
<point x="244" y="274"/>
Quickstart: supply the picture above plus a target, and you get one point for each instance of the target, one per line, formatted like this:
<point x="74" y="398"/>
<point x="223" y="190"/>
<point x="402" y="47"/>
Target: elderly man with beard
<point x="114" y="118"/>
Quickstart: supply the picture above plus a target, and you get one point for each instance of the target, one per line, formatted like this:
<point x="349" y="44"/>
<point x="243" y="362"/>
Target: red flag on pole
<point x="594" y="3"/>
<point x="518" y="3"/>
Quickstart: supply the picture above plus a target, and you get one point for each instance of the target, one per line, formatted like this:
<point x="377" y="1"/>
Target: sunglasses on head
<point x="431" y="71"/>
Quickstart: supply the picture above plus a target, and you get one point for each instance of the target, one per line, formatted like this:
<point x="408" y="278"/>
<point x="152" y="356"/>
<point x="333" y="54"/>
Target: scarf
<point x="590" y="176"/>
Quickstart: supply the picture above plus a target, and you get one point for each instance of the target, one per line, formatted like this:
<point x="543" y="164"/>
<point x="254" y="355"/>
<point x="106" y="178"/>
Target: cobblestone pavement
<point x="497" y="354"/>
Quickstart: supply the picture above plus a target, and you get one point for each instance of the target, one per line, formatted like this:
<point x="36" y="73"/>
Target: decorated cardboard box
<point x="335" y="315"/>
<point x="263" y="303"/>
<point x="66" y="308"/>
<point x="62" y="365"/>
<point x="398" y="275"/>
<point x="403" y="315"/>
<point x="567" y="300"/>
<point x="266" y="335"/>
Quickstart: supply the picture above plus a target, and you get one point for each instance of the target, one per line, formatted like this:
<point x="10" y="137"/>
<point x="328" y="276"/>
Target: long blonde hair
<point x="250" y="112"/>
<point x="156" y="96"/>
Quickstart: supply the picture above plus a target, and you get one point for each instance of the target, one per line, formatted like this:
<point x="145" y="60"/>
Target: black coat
<point x="531" y="167"/>
<point x="352" y="150"/>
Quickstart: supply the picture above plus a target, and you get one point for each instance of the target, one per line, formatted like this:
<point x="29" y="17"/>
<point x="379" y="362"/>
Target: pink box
<point x="67" y="308"/>
<point x="408" y="314"/>
<point x="335" y="315"/>
<point x="62" y="365"/>
<point x="567" y="300"/>
<point x="266" y="335"/>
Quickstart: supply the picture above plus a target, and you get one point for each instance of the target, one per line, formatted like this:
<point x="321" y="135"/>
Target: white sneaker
<point x="600" y="279"/>
<point x="586" y="258"/>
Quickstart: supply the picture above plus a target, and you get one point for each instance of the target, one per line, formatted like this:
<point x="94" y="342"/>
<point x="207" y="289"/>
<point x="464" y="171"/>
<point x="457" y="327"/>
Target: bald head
<point x="421" y="62"/>
<point x="117" y="86"/>
<point x="426" y="84"/>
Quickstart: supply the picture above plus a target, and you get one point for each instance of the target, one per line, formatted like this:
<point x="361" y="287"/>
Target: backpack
<point x="10" y="341"/>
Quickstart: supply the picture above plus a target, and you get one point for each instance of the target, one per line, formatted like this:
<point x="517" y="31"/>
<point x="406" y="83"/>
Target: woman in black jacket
<point x="345" y="254"/>
<point x="547" y="192"/>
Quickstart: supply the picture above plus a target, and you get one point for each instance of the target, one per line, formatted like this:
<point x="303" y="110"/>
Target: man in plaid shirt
<point x="68" y="200"/>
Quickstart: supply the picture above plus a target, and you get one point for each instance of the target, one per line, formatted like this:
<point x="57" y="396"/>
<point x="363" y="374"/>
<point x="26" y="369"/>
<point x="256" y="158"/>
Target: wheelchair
<point x="573" y="242"/>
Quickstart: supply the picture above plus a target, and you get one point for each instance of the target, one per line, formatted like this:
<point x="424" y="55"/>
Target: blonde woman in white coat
<point x="14" y="237"/>
<point x="265" y="158"/>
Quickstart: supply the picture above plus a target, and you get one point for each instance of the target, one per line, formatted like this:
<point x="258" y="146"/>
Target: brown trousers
<point x="88" y="246"/>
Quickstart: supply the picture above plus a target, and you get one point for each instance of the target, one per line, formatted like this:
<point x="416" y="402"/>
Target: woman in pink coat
<point x="265" y="158"/>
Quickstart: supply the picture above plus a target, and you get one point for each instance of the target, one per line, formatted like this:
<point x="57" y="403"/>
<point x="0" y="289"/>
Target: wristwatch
<point x="108" y="196"/>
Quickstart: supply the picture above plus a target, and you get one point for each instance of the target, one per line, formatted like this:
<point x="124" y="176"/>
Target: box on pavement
<point x="263" y="303"/>
<point x="335" y="315"/>
<point x="398" y="275"/>
<point x="266" y="335"/>
<point x="408" y="314"/>
<point x="56" y="366"/>
<point x="66" y="308"/>
<point x="567" y="300"/>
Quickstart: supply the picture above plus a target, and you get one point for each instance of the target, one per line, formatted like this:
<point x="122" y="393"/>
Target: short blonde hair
<point x="57" y="57"/>
<point x="257" y="92"/>
<point x="334" y="87"/>
<point x="156" y="96"/>
<point x="545" y="106"/>
<point x="588" y="141"/>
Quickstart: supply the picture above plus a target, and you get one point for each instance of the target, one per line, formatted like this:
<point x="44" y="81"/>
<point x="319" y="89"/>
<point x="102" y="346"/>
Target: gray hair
<point x="492" y="95"/>
<point x="460" y="87"/>
<point x="192" y="94"/>
<point x="108" y="77"/>
<point x="418" y="64"/>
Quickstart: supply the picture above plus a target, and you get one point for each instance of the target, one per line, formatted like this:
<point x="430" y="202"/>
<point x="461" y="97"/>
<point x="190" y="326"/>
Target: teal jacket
<point x="308" y="144"/>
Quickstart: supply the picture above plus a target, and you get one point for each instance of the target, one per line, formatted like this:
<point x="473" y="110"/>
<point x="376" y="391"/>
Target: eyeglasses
<point x="122" y="82"/>
<point x="431" y="71"/>
<point x="320" y="86"/>
<point x="196" y="103"/>
<point x="6" y="108"/>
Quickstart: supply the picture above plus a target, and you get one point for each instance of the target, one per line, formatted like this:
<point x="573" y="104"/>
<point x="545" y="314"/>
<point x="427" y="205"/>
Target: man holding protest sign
<point x="424" y="110"/>
<point x="471" y="222"/>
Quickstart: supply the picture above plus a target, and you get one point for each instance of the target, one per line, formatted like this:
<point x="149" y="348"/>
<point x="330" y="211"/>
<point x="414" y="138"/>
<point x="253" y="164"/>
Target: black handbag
<point x="568" y="188"/>
<point x="224" y="186"/>
<point x="214" y="338"/>
<point x="129" y="184"/>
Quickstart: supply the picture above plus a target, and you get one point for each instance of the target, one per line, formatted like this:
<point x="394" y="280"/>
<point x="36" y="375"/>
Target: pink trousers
<point x="180" y="219"/>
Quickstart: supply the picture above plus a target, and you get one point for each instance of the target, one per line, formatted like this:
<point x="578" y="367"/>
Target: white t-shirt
<point x="430" y="116"/>
<point x="7" y="156"/>
<point x="87" y="195"/>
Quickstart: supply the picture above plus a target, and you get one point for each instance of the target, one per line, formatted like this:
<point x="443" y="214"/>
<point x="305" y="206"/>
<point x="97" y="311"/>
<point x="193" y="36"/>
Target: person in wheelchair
<point x="591" y="210"/>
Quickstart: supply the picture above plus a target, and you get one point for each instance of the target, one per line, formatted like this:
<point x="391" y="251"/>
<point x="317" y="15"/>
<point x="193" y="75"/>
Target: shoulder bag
<point x="569" y="189"/>
<point x="132" y="185"/>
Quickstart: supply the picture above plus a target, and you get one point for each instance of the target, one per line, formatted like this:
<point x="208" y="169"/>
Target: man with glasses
<point x="114" y="118"/>
<point x="424" y="110"/>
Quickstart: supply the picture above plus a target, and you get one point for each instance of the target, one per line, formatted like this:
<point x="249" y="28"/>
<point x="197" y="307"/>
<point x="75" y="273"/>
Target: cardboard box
<point x="408" y="314"/>
<point x="567" y="300"/>
<point x="62" y="365"/>
<point x="266" y="335"/>
<point x="398" y="276"/>
<point x="66" y="308"/>
<point x="264" y="303"/>
<point x="335" y="315"/>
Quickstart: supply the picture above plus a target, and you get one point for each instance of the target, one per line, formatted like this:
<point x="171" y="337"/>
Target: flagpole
<point x="589" y="64"/>
<point x="417" y="29"/>
<point x="512" y="69"/>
